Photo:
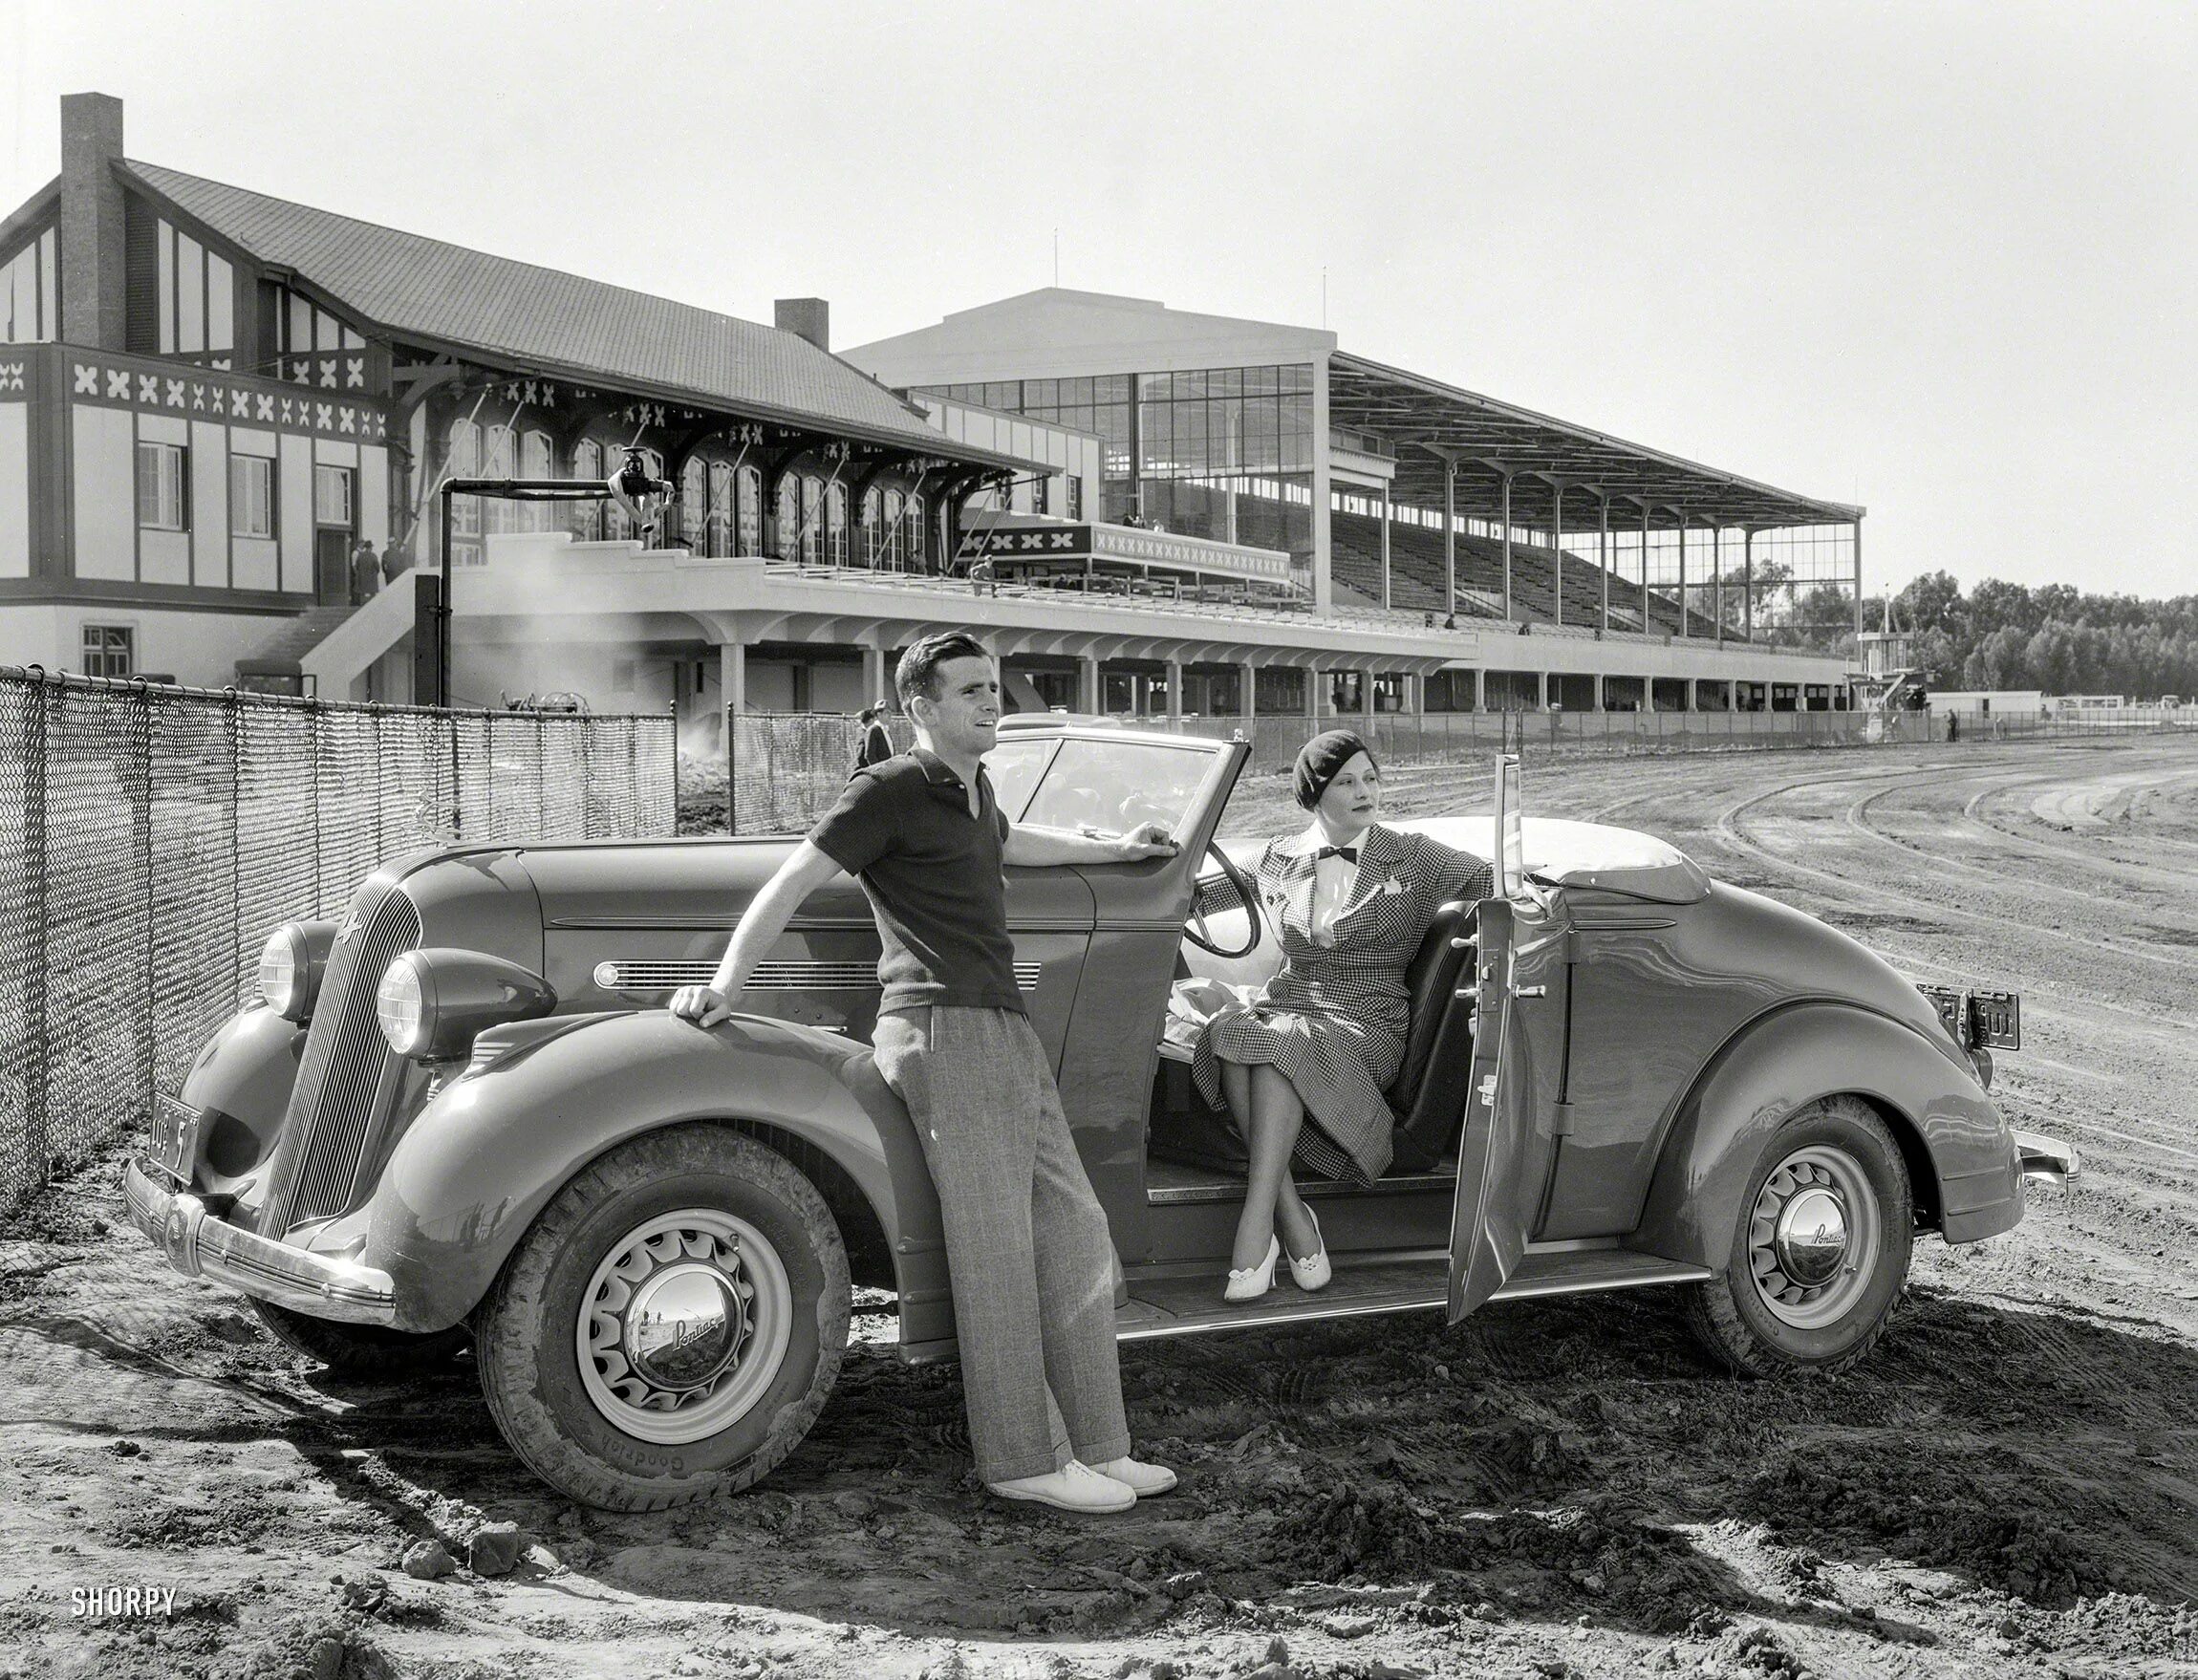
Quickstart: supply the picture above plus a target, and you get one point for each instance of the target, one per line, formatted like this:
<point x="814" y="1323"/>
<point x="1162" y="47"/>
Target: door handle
<point x="1530" y="991"/>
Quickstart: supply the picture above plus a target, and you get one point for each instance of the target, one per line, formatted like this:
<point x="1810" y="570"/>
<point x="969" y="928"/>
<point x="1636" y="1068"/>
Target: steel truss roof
<point x="1431" y="423"/>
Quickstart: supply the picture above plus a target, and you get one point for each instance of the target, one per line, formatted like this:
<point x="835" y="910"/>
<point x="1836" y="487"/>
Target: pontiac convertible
<point x="462" y="1113"/>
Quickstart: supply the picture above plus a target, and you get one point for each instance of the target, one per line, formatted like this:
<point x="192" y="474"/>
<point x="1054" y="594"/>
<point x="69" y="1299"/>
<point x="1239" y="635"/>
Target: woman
<point x="1351" y="902"/>
<point x="875" y="745"/>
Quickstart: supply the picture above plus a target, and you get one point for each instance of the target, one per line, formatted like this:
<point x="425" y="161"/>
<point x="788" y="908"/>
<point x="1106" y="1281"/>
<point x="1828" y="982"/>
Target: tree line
<point x="2055" y="637"/>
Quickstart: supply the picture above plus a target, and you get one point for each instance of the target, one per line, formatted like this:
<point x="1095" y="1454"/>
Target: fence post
<point x="732" y="770"/>
<point x="140" y="716"/>
<point x="672" y="712"/>
<point x="313" y="715"/>
<point x="540" y="779"/>
<point x="35" y="1077"/>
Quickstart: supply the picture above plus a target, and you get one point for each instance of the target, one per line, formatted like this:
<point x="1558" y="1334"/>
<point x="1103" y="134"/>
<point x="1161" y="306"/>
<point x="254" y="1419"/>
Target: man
<point x="1026" y="1241"/>
<point x="875" y="745"/>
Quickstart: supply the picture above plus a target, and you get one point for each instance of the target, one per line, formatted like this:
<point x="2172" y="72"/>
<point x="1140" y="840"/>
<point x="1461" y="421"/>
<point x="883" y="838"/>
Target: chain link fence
<point x="785" y="768"/>
<point x="151" y="837"/>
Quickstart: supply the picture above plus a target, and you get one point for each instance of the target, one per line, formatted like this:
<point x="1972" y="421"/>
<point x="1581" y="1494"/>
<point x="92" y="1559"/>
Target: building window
<point x="163" y="487"/>
<point x="889" y="537"/>
<point x="251" y="496"/>
<point x="534" y="462"/>
<point x="197" y="298"/>
<point x="693" y="503"/>
<point x="331" y="496"/>
<point x="872" y="503"/>
<point x="786" y="517"/>
<point x="748" y="511"/>
<point x="1075" y="497"/>
<point x="914" y="526"/>
<point x="835" y="524"/>
<point x="110" y="650"/>
<point x="463" y="461"/>
<point x="718" y="529"/>
<point x="812" y="519"/>
<point x="29" y="307"/>
<point x="587" y="517"/>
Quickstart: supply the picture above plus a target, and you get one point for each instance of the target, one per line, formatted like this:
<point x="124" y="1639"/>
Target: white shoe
<point x="1142" y="1479"/>
<point x="1074" y="1487"/>
<point x="1313" y="1272"/>
<point x="1250" y="1282"/>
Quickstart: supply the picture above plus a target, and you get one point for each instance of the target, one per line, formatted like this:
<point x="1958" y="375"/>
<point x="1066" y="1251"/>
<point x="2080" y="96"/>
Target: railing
<point x="151" y="838"/>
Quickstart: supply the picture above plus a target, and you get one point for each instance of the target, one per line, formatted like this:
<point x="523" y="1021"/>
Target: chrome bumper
<point x="2046" y="1159"/>
<point x="200" y="1245"/>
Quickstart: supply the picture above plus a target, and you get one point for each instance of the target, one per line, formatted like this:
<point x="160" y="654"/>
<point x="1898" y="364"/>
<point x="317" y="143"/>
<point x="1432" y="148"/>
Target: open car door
<point x="1505" y="1149"/>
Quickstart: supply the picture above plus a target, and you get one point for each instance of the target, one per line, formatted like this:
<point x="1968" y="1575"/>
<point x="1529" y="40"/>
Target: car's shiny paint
<point x="1667" y="1024"/>
<point x="240" y="1083"/>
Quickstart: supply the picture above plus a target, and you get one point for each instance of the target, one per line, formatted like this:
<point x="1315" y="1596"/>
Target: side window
<point x="1109" y="786"/>
<point x="110" y="650"/>
<point x="163" y="487"/>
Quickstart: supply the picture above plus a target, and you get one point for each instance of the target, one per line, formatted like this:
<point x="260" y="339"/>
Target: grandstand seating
<point x="1417" y="578"/>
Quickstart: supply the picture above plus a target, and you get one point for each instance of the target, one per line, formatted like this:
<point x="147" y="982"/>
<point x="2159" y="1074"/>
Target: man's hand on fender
<point x="1146" y="840"/>
<point x="703" y="1006"/>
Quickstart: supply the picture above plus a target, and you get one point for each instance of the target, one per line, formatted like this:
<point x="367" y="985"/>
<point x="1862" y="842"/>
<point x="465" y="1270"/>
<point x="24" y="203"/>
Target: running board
<point x="1189" y="1307"/>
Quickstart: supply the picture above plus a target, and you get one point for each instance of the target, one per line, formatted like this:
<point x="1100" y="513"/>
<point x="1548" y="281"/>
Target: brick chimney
<point x="807" y="318"/>
<point x="93" y="293"/>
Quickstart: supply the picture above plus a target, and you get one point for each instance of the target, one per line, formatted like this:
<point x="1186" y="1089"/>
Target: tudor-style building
<point x="209" y="399"/>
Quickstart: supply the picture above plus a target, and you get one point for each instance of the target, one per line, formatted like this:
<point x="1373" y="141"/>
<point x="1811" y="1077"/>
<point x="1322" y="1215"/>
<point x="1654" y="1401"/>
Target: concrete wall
<point x="200" y="649"/>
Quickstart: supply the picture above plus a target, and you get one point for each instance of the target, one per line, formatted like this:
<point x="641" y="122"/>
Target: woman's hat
<point x="1322" y="757"/>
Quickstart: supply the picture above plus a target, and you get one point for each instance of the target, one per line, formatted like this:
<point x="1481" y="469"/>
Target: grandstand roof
<point x="445" y="295"/>
<point x="1429" y="422"/>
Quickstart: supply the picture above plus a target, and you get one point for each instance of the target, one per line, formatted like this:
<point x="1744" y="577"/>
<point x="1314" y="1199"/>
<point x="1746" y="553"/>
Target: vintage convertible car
<point x="463" y="1113"/>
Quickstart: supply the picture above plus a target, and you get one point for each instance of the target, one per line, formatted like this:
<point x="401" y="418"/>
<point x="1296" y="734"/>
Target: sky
<point x="1941" y="260"/>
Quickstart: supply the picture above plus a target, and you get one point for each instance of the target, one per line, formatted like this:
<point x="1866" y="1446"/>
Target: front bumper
<point x="200" y="1245"/>
<point x="2046" y="1159"/>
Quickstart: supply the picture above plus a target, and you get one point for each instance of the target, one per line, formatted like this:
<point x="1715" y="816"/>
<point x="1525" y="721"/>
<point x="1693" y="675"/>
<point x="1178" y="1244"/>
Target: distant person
<point x="394" y="564"/>
<point x="1953" y="726"/>
<point x="875" y="745"/>
<point x="365" y="573"/>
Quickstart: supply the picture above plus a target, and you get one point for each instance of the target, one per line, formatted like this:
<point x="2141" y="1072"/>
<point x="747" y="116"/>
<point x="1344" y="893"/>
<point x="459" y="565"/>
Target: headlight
<point x="432" y="1003"/>
<point x="290" y="964"/>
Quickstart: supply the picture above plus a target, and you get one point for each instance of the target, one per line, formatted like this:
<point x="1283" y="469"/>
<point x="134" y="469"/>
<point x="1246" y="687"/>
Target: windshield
<point x="1102" y="786"/>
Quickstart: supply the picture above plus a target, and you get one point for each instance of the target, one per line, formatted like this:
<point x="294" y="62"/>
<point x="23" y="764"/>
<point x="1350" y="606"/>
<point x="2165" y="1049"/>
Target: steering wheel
<point x="1200" y="932"/>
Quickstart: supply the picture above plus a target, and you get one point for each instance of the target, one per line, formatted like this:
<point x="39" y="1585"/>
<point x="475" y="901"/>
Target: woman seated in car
<point x="1351" y="901"/>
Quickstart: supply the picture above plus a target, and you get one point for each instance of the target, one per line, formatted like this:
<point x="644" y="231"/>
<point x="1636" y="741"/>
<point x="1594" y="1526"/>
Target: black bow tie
<point x="1349" y="854"/>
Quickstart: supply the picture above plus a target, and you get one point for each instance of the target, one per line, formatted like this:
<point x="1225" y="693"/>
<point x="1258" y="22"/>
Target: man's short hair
<point x="918" y="673"/>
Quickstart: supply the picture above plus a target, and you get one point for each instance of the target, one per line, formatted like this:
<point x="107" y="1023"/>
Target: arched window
<point x="693" y="503"/>
<point x="463" y="461"/>
<point x="890" y="546"/>
<point x="835" y="524"/>
<point x="916" y="548"/>
<point x="872" y="503"/>
<point x="534" y="462"/>
<point x="501" y="461"/>
<point x="812" y="520"/>
<point x="587" y="517"/>
<point x="786" y="517"/>
<point x="748" y="511"/>
<point x="717" y="527"/>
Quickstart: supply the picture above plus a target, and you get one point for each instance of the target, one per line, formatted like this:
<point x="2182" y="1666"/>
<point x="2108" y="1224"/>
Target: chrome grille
<point x="636" y="975"/>
<point x="346" y="1060"/>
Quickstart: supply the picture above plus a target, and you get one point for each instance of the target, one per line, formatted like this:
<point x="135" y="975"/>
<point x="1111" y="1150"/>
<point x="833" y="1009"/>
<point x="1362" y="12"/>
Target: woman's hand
<point x="703" y="1006"/>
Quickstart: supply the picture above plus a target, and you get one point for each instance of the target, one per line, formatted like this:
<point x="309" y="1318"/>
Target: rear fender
<point x="486" y="1154"/>
<point x="1792" y="1057"/>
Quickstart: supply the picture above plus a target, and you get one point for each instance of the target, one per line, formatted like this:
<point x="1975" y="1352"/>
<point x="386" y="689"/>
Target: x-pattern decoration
<point x="11" y="376"/>
<point x="210" y="396"/>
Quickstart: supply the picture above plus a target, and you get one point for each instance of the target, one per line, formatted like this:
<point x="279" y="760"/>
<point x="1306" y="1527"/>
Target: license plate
<point x="175" y="1138"/>
<point x="1992" y="1020"/>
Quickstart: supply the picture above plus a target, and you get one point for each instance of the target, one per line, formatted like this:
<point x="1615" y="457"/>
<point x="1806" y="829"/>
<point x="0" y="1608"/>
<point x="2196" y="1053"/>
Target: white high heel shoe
<point x="1313" y="1272"/>
<point x="1250" y="1282"/>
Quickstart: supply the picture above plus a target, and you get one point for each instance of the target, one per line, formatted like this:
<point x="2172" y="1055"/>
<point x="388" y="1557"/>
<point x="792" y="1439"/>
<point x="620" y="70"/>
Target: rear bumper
<point x="2046" y="1159"/>
<point x="200" y="1245"/>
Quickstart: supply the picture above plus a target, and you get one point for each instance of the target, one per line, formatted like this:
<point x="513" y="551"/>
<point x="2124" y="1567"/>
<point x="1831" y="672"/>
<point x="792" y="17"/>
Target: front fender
<point x="1792" y="1057"/>
<point x="483" y="1160"/>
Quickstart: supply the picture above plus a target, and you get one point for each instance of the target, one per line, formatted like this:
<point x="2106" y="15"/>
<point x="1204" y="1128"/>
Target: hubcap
<point x="1814" y="1237"/>
<point x="684" y="1326"/>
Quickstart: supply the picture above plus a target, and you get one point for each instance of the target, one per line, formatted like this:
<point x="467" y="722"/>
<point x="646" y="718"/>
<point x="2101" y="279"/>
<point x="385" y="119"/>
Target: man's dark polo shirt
<point x="932" y="873"/>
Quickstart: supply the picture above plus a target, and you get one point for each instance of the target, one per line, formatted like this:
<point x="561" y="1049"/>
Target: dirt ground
<point x="2008" y="1486"/>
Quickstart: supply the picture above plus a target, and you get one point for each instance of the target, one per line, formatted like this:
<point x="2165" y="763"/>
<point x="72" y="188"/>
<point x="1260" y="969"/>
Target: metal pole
<point x="1557" y="542"/>
<point x="1603" y="558"/>
<point x="1858" y="526"/>
<point x="1717" y="579"/>
<point x="442" y="620"/>
<point x="1646" y="625"/>
<point x="1507" y="547"/>
<point x="1385" y="518"/>
<point x="1748" y="585"/>
<point x="1450" y="541"/>
<point x="1682" y="512"/>
<point x="37" y="860"/>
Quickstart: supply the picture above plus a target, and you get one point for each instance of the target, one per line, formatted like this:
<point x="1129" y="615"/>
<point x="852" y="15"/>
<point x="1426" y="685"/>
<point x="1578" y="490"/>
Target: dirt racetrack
<point x="2008" y="1486"/>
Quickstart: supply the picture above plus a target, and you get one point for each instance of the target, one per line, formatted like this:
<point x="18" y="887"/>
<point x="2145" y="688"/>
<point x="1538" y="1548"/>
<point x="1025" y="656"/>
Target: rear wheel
<point x="670" y="1325"/>
<point x="1821" y="1249"/>
<point x="362" y="1350"/>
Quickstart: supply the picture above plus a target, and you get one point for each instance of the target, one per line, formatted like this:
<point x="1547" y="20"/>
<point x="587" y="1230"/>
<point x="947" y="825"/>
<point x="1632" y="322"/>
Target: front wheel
<point x="670" y="1325"/>
<point x="1821" y="1249"/>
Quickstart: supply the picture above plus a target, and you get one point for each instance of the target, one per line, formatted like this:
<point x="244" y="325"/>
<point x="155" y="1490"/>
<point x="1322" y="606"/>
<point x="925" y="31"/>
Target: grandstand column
<point x="1748" y="583"/>
<point x="1507" y="617"/>
<point x="1718" y="580"/>
<point x="1414" y="699"/>
<point x="1449" y="543"/>
<point x="1603" y="560"/>
<point x="1087" y="684"/>
<point x="1174" y="669"/>
<point x="1646" y="627"/>
<point x="1557" y="542"/>
<point x="873" y="677"/>
<point x="1365" y="698"/>
<point x="1248" y="691"/>
<point x="1324" y="482"/>
<point x="1313" y="676"/>
<point x="1682" y="514"/>
<point x="1858" y="528"/>
<point x="733" y="676"/>
<point x="1479" y="689"/>
<point x="1385" y="518"/>
<point x="1597" y="705"/>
